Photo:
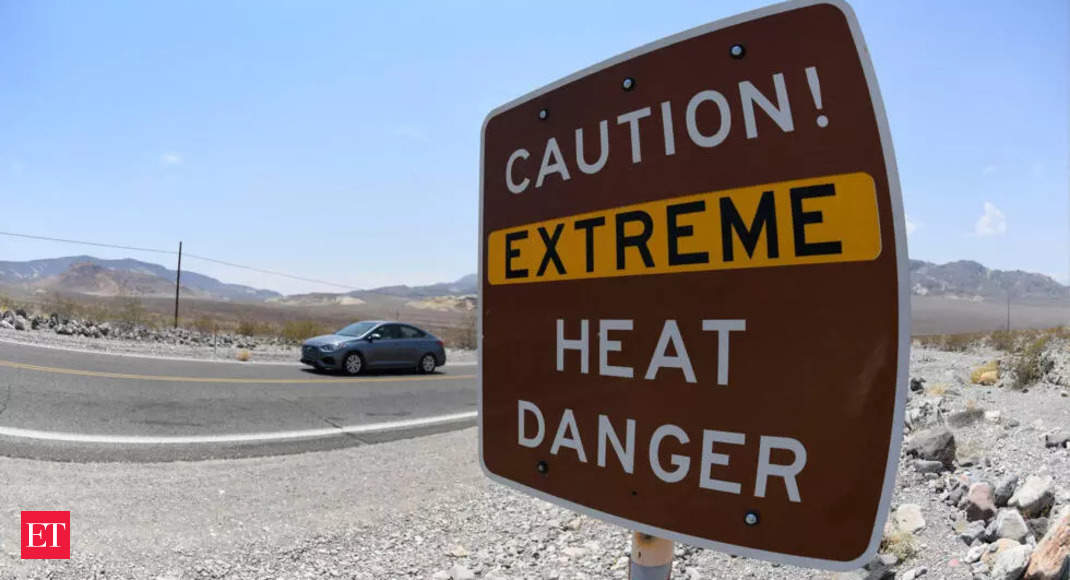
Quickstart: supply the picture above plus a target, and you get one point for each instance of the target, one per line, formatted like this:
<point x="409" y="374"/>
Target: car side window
<point x="389" y="331"/>
<point x="410" y="332"/>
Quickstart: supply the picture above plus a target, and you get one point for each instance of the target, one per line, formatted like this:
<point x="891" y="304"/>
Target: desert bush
<point x="462" y="336"/>
<point x="1033" y="363"/>
<point x="244" y="355"/>
<point x="131" y="312"/>
<point x="901" y="543"/>
<point x="56" y="304"/>
<point x="254" y="328"/>
<point x="299" y="330"/>
<point x="206" y="325"/>
<point x="959" y="342"/>
<point x="1002" y="340"/>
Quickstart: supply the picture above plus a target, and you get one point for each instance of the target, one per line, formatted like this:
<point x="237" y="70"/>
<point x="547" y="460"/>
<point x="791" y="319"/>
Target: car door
<point x="414" y="344"/>
<point x="388" y="348"/>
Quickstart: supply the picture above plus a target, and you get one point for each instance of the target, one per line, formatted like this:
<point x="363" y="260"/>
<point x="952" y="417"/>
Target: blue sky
<point x="340" y="141"/>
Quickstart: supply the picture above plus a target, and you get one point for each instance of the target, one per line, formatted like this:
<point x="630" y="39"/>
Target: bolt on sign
<point x="694" y="316"/>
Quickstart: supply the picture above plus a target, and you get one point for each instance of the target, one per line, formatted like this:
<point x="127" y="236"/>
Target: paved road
<point x="66" y="405"/>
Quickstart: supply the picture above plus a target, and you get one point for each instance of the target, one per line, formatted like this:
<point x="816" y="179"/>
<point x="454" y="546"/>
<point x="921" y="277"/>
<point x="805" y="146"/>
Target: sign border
<point x="903" y="355"/>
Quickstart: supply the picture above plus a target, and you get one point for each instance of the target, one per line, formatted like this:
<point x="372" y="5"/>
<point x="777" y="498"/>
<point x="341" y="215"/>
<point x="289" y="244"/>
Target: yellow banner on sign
<point x="805" y="221"/>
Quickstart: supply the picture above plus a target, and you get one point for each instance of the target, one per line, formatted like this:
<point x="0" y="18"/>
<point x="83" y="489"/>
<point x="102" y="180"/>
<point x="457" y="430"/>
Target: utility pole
<point x="178" y="281"/>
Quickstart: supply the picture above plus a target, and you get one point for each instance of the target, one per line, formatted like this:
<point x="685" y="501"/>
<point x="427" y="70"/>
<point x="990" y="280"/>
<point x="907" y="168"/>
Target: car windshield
<point x="356" y="329"/>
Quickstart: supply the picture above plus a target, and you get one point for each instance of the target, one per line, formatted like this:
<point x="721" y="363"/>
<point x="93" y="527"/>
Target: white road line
<point x="370" y="428"/>
<point x="185" y="358"/>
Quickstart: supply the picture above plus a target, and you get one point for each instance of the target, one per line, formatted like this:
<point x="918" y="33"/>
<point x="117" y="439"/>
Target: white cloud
<point x="171" y="158"/>
<point x="991" y="223"/>
<point x="912" y="226"/>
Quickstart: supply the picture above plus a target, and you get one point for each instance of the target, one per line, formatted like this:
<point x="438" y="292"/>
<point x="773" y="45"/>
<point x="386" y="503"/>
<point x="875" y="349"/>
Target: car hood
<point x="328" y="339"/>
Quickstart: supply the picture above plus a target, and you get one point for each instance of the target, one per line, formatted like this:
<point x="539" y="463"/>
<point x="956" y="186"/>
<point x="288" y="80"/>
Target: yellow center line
<point x="62" y="371"/>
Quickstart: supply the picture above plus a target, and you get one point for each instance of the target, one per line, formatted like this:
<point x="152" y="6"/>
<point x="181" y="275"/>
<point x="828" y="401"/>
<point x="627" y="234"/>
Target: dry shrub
<point x="1002" y="340"/>
<point x="131" y="312"/>
<point x="244" y="355"/>
<point x="254" y="328"/>
<point x="936" y="389"/>
<point x="1033" y="363"/>
<point x="206" y="325"/>
<point x="299" y="330"/>
<point x="977" y="373"/>
<point x="959" y="342"/>
<point x="901" y="543"/>
<point x="462" y="336"/>
<point x="56" y="304"/>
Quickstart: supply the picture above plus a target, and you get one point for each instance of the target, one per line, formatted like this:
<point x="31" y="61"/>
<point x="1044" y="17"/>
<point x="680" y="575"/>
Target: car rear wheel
<point x="427" y="363"/>
<point x="353" y="364"/>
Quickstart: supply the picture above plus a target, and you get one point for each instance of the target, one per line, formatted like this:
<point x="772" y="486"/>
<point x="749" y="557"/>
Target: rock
<point x="574" y="552"/>
<point x="972" y="532"/>
<point x="457" y="551"/>
<point x="915" y="573"/>
<point x="1011" y="525"/>
<point x="4" y="323"/>
<point x="1039" y="526"/>
<point x="974" y="554"/>
<point x="1010" y="563"/>
<point x="1005" y="489"/>
<point x="995" y="549"/>
<point x="1055" y="439"/>
<point x="961" y="419"/>
<point x="917" y="385"/>
<point x="459" y="572"/>
<point x="440" y="575"/>
<point x="980" y="502"/>
<point x="933" y="444"/>
<point x="908" y="518"/>
<point x="928" y="466"/>
<point x="1051" y="558"/>
<point x="993" y="417"/>
<point x="21" y="323"/>
<point x="888" y="560"/>
<point x="1034" y="496"/>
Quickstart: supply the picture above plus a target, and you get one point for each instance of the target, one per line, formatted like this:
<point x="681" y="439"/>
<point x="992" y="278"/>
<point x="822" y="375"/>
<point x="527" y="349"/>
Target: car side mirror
<point x="374" y="337"/>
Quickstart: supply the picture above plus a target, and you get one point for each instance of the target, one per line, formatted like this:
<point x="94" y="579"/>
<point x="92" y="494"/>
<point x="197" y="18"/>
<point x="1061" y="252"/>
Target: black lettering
<point x="550" y="243"/>
<point x="638" y="240"/>
<point x="676" y="232"/>
<point x="510" y="253"/>
<point x="800" y="218"/>
<point x="590" y="224"/>
<point x="765" y="216"/>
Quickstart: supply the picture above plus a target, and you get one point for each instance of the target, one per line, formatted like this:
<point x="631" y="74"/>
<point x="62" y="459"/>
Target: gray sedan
<point x="375" y="344"/>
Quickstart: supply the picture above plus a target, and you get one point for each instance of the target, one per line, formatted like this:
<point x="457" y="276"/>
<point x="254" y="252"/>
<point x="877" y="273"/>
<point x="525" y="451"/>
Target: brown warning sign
<point x="694" y="319"/>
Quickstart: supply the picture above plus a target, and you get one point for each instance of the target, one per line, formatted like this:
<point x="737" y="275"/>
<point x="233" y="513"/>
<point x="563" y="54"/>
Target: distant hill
<point x="463" y="285"/>
<point x="89" y="275"/>
<point x="972" y="281"/>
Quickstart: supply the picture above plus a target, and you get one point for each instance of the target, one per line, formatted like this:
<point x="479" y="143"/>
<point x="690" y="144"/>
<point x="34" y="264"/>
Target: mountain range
<point x="128" y="277"/>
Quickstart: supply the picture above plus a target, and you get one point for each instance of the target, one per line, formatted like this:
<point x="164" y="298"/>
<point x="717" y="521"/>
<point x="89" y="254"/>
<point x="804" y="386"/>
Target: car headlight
<point x="328" y="347"/>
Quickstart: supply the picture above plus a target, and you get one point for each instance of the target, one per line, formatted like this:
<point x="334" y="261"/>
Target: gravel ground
<point x="421" y="508"/>
<point x="269" y="353"/>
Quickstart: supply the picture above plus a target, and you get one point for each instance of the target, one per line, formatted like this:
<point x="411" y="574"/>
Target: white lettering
<point x="605" y="346"/>
<point x="692" y="125"/>
<point x="513" y="186"/>
<point x="603" y="152"/>
<point x="682" y="462"/>
<point x="556" y="166"/>
<point x="626" y="452"/>
<point x="632" y="119"/>
<point x="522" y="408"/>
<point x="787" y="472"/>
<point x="780" y="113"/>
<point x="709" y="459"/>
<point x="670" y="333"/>
<point x="568" y="435"/>
<point x="723" y="327"/>
<point x="579" y="344"/>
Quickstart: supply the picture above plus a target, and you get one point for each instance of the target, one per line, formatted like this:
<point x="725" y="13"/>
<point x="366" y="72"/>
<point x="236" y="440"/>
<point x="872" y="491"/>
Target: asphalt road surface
<point x="74" y="406"/>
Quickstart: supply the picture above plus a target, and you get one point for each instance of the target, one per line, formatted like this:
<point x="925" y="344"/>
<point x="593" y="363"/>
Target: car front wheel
<point x="427" y="363"/>
<point x="353" y="364"/>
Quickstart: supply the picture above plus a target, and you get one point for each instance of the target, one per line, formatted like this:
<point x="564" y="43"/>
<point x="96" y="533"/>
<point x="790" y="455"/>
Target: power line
<point x="187" y="254"/>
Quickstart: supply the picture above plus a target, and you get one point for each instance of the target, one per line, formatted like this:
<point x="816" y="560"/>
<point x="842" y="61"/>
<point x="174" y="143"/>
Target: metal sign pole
<point x="178" y="281"/>
<point x="651" y="558"/>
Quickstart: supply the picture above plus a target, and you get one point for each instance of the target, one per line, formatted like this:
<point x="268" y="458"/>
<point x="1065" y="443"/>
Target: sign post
<point x="693" y="291"/>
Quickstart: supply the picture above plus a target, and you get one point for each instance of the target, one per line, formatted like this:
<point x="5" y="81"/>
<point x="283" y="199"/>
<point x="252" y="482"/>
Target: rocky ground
<point x="982" y="492"/>
<point x="80" y="334"/>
